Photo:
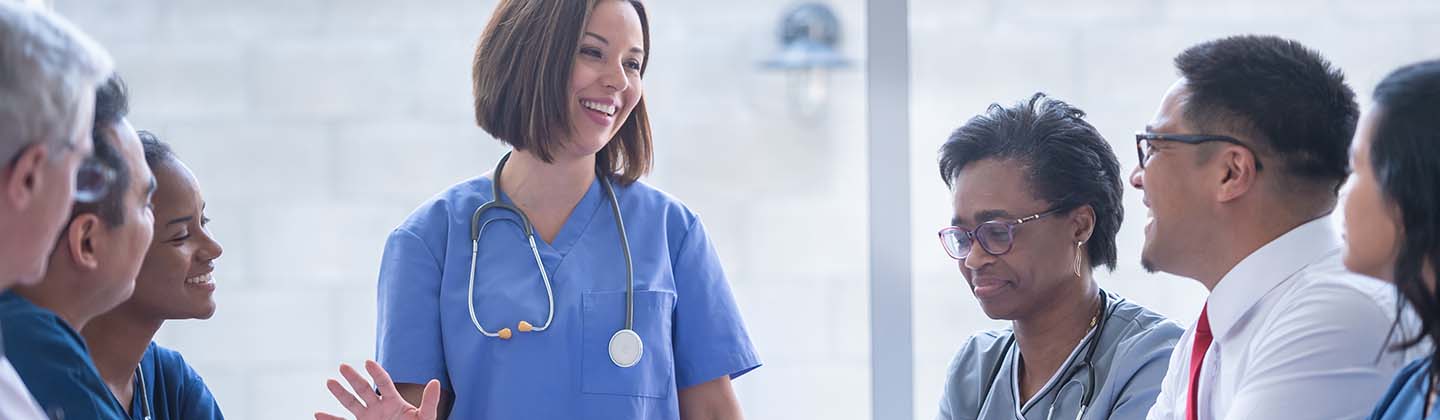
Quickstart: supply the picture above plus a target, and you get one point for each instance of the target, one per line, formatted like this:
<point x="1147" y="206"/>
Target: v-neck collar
<point x="575" y="225"/>
<point x="1022" y="406"/>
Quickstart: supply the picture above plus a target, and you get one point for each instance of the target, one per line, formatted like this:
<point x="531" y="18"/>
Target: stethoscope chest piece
<point x="626" y="348"/>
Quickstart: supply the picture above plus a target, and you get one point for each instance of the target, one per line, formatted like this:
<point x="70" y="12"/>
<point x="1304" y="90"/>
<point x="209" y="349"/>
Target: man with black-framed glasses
<point x="1286" y="332"/>
<point x="1037" y="206"/>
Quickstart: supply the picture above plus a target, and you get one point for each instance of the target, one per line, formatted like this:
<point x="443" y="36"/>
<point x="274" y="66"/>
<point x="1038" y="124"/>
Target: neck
<point x="532" y="182"/>
<point x="117" y="341"/>
<point x="56" y="294"/>
<point x="1240" y="240"/>
<point x="1048" y="337"/>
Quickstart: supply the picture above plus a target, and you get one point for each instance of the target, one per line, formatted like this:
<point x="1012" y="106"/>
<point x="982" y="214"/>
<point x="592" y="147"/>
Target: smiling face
<point x="1172" y="190"/>
<point x="605" y="82"/>
<point x="176" y="280"/>
<point x="1041" y="262"/>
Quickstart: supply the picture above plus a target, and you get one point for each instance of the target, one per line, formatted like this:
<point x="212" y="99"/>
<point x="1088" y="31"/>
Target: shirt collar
<point x="1266" y="268"/>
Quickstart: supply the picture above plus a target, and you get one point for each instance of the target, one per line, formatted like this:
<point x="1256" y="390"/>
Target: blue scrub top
<point x="1129" y="365"/>
<point x="176" y="391"/>
<point x="1406" y="397"/>
<point x="53" y="361"/>
<point x="683" y="308"/>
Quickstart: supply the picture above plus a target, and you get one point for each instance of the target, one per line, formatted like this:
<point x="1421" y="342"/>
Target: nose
<point x="1137" y="178"/>
<point x="978" y="257"/>
<point x="210" y="248"/>
<point x="615" y="78"/>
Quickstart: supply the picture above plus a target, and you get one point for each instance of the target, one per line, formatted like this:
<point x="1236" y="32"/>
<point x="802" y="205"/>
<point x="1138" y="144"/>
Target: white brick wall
<point x="316" y="125"/>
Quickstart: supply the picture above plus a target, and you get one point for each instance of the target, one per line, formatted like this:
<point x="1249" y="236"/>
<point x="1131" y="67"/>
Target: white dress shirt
<point x="15" y="400"/>
<point x="1296" y="336"/>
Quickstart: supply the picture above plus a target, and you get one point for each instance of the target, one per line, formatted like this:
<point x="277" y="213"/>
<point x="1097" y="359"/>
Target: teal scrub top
<point x="1129" y="365"/>
<point x="53" y="361"/>
<point x="175" y="391"/>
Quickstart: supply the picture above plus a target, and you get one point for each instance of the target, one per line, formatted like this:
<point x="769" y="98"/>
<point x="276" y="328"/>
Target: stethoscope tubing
<point x="1089" y="393"/>
<point x="477" y="229"/>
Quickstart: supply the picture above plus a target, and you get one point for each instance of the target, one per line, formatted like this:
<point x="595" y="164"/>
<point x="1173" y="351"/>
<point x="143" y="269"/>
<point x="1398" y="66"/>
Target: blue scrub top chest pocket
<point x="603" y="313"/>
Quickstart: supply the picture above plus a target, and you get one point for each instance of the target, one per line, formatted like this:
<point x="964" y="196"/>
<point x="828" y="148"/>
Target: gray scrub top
<point x="1133" y="353"/>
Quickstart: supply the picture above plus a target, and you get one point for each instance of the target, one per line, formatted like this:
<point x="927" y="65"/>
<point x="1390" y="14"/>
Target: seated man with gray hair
<point x="91" y="269"/>
<point x="48" y="75"/>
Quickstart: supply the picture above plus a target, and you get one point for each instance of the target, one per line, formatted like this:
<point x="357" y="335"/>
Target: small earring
<point x="1078" y="261"/>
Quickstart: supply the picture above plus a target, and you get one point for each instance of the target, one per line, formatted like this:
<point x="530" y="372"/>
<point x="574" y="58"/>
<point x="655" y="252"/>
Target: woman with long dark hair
<point x="1392" y="232"/>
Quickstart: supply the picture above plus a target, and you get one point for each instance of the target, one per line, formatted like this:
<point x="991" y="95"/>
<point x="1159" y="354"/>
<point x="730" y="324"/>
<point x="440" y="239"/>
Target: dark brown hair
<point x="522" y="75"/>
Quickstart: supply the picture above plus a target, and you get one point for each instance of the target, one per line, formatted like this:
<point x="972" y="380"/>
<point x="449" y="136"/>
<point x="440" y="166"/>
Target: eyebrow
<point x="182" y="219"/>
<point x="985" y="216"/>
<point x="607" y="42"/>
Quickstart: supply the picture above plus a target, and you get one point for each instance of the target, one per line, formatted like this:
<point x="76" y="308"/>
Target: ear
<point x="1239" y="173"/>
<point x="80" y="239"/>
<point x="22" y="180"/>
<point x="1082" y="223"/>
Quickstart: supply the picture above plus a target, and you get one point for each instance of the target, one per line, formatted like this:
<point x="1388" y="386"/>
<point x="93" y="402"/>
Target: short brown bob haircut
<point x="522" y="77"/>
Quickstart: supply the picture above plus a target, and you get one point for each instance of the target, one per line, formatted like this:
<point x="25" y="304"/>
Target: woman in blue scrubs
<point x="577" y="291"/>
<point x="175" y="282"/>
<point x="1037" y="198"/>
<point x="1390" y="229"/>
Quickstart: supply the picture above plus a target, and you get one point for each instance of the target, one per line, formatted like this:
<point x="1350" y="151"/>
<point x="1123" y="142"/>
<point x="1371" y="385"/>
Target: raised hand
<point x="388" y="405"/>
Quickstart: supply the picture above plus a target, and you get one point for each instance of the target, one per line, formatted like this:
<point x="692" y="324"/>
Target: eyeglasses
<point x="93" y="180"/>
<point x="996" y="237"/>
<point x="1145" y="150"/>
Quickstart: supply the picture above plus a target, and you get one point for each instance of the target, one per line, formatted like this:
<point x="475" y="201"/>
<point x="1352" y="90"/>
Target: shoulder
<point x="1137" y="325"/>
<point x="970" y="371"/>
<point x="980" y="351"/>
<point x="30" y="331"/>
<point x="1408" y="384"/>
<point x="15" y="310"/>
<point x="664" y="218"/>
<point x="1326" y="290"/>
<point x="170" y="364"/>
<point x="645" y="199"/>
<point x="167" y="359"/>
<point x="436" y="212"/>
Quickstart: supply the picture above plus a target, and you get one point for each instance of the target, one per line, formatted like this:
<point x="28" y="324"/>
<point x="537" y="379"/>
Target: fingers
<point x="343" y="395"/>
<point x="430" y="400"/>
<point x="327" y="416"/>
<point x="382" y="380"/>
<point x="359" y="384"/>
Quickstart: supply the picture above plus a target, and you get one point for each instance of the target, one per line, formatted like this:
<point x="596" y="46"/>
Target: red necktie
<point x="1197" y="358"/>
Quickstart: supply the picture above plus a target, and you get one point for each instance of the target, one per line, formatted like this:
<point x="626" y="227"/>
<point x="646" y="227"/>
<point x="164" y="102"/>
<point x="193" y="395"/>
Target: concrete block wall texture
<point x="315" y="126"/>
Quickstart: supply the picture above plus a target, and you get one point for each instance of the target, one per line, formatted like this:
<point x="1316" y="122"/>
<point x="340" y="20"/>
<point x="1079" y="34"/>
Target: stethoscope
<point x="144" y="393"/>
<point x="625" y="345"/>
<point x="1089" y="390"/>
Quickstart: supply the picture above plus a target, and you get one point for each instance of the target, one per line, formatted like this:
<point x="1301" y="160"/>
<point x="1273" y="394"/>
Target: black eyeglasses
<point x="1145" y="150"/>
<point x="996" y="237"/>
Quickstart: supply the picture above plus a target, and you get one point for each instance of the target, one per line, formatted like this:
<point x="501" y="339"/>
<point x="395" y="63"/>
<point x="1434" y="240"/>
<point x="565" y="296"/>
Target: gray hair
<point x="47" y="68"/>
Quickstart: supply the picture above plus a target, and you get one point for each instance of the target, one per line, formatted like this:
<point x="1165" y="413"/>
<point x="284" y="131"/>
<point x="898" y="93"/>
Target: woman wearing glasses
<point x="1037" y="199"/>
